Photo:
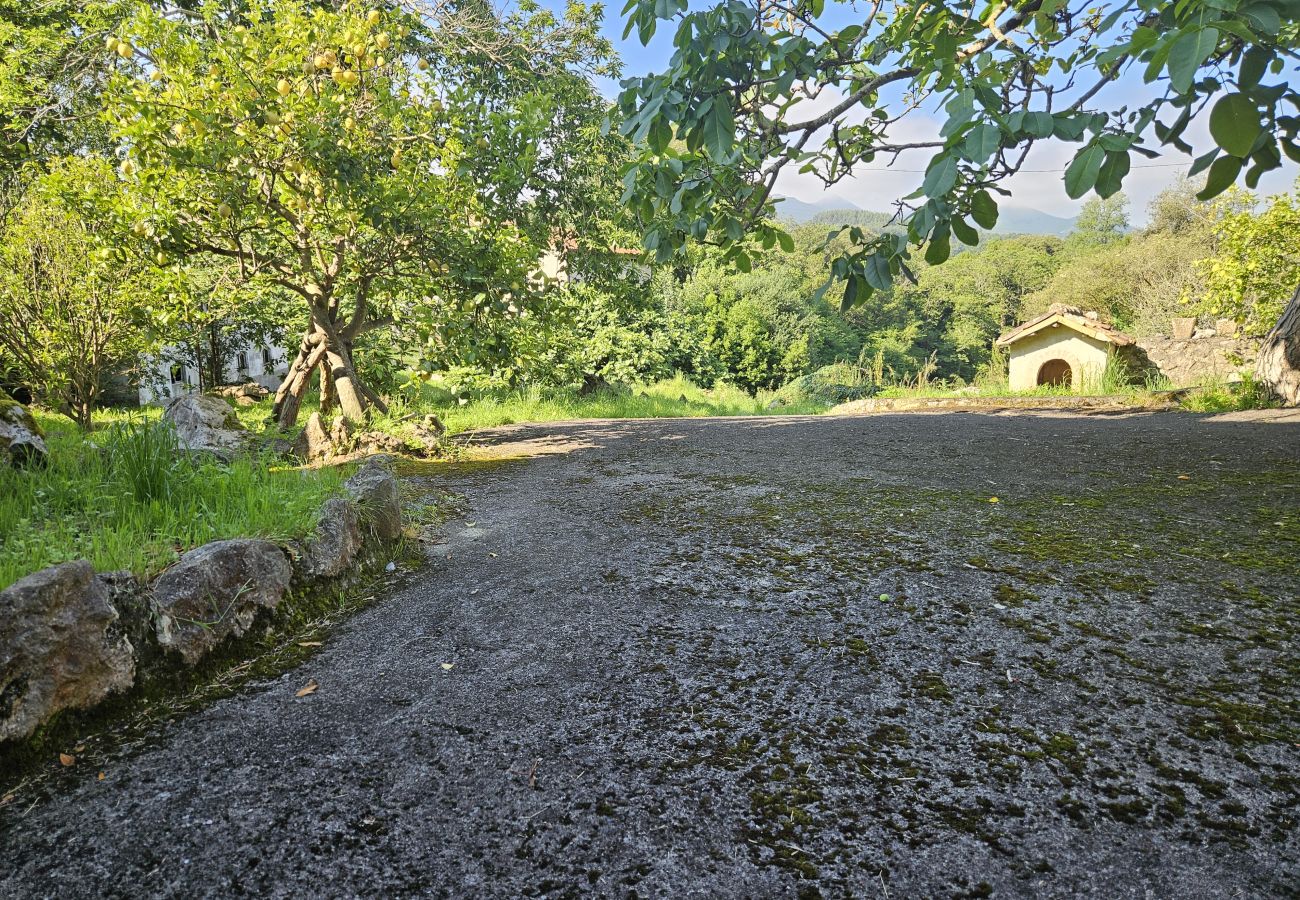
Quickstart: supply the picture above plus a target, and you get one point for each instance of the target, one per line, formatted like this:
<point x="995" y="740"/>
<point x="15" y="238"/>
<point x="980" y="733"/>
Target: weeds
<point x="127" y="497"/>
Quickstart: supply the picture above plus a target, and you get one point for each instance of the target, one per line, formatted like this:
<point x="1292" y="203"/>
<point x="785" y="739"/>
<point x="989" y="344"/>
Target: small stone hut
<point x="1063" y="346"/>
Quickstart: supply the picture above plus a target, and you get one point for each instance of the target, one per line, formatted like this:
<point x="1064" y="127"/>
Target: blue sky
<point x="1037" y="186"/>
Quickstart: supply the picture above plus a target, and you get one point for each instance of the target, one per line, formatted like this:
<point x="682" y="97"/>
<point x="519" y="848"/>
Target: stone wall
<point x="1207" y="355"/>
<point x="71" y="637"/>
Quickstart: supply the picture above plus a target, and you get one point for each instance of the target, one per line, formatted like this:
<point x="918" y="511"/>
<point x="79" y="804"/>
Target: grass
<point x="670" y="398"/>
<point x="125" y="497"/>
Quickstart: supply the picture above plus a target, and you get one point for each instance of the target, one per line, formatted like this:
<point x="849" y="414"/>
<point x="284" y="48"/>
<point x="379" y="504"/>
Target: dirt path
<point x="768" y="657"/>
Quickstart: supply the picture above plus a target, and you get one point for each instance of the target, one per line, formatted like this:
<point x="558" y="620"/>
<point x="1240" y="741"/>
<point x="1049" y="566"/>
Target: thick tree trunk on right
<point x="1278" y="366"/>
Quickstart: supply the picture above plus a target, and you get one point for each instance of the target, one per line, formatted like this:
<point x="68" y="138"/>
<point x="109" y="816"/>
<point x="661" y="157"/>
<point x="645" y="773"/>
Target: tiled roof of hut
<point x="1072" y="317"/>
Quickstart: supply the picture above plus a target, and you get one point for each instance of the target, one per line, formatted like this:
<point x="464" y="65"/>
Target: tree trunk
<point x="288" y="398"/>
<point x="323" y="348"/>
<point x="1278" y="367"/>
<point x="345" y="380"/>
<point x="328" y="398"/>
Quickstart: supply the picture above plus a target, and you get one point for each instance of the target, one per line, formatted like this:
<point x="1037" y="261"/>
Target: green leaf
<point x="1201" y="163"/>
<point x="984" y="210"/>
<point x="1081" y="174"/>
<point x="1111" y="176"/>
<point x="1264" y="18"/>
<point x="940" y="176"/>
<point x="1254" y="63"/>
<point x="877" y="271"/>
<point x="939" y="248"/>
<point x="1039" y="124"/>
<point x="786" y="242"/>
<point x="850" y="292"/>
<point x="719" y="130"/>
<point x="967" y="235"/>
<point x="1223" y="173"/>
<point x="982" y="142"/>
<point x="1187" y="54"/>
<point x="1235" y="123"/>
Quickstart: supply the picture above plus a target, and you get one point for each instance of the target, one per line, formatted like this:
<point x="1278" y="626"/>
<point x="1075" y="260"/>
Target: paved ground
<point x="767" y="657"/>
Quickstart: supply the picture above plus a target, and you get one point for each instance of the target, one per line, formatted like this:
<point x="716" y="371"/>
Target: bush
<point x="828" y="386"/>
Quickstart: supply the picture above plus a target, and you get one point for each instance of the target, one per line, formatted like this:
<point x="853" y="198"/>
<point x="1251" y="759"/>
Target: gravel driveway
<point x="903" y="656"/>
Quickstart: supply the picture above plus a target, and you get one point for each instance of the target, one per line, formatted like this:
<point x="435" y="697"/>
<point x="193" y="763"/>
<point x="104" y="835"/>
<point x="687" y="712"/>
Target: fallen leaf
<point x="80" y="748"/>
<point x="493" y="555"/>
<point x="1184" y="477"/>
<point x="994" y="500"/>
<point x="6" y="799"/>
<point x="67" y="759"/>
<point x="309" y="643"/>
<point x="446" y="667"/>
<point x="101" y="776"/>
<point x="308" y="688"/>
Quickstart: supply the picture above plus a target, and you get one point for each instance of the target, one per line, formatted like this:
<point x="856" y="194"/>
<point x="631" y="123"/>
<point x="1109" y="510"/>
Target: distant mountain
<point x="1023" y="220"/>
<point x="832" y="210"/>
<point x="799" y="211"/>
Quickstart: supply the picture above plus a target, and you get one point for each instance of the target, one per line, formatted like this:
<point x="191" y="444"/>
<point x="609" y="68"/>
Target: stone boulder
<point x="204" y="422"/>
<point x="335" y="544"/>
<point x="341" y="441"/>
<point x="313" y="442"/>
<point x="375" y="489"/>
<point x="21" y="440"/>
<point x="216" y="591"/>
<point x="58" y="647"/>
<point x="429" y="431"/>
<point x="249" y="394"/>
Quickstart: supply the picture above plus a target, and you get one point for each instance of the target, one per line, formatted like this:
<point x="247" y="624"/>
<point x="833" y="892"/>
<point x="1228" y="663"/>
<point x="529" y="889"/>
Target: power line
<point x="1020" y="171"/>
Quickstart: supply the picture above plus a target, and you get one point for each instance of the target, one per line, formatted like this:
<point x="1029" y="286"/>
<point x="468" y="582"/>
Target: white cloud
<point x="1039" y="185"/>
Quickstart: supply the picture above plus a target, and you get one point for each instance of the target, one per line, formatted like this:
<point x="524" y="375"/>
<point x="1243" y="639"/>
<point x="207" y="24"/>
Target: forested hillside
<point x="762" y="328"/>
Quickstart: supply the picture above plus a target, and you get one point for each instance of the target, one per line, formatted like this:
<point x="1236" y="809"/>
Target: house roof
<point x="1071" y="317"/>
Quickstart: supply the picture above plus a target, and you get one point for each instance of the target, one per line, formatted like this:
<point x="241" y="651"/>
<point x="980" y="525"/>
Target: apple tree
<point x="825" y="89"/>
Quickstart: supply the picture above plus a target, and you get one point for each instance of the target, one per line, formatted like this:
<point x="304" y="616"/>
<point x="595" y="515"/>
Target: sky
<point x="1039" y="185"/>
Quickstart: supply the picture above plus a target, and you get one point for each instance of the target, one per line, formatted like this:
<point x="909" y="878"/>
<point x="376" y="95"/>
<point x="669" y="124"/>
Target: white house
<point x="261" y="363"/>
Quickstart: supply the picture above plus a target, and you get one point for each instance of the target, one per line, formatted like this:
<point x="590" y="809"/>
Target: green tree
<point x="1252" y="272"/>
<point x="377" y="165"/>
<point x="51" y="74"/>
<point x="71" y="314"/>
<point x="1102" y="219"/>
<point x="728" y="115"/>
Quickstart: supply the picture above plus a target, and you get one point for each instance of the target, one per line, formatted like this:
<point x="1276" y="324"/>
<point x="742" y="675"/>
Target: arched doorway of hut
<point x="1056" y="372"/>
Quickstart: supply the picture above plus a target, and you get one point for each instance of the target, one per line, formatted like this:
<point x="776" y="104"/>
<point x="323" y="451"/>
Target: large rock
<point x="314" y="441"/>
<point x="58" y="649"/>
<point x="248" y="394"/>
<point x="215" y="592"/>
<point x="21" y="440"/>
<point x="374" y="487"/>
<point x="204" y="422"/>
<point x="336" y="542"/>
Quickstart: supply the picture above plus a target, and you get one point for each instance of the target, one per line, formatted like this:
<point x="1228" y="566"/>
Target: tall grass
<point x="675" y="397"/>
<point x="128" y="498"/>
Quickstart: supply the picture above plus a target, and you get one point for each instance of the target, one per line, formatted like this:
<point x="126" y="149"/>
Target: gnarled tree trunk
<point x="328" y="347"/>
<point x="1278" y="366"/>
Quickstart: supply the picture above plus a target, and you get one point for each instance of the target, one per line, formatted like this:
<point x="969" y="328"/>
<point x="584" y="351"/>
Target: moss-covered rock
<point x="22" y="442"/>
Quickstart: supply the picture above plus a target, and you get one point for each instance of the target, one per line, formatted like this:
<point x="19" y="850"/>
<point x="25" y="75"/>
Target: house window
<point x="268" y="362"/>
<point x="241" y="362"/>
<point x="178" y="374"/>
